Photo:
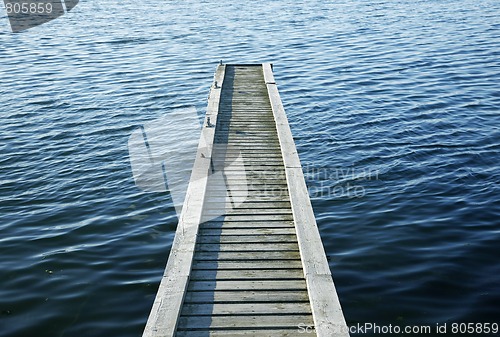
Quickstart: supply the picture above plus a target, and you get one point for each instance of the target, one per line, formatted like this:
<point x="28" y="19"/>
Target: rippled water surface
<point x="394" y="106"/>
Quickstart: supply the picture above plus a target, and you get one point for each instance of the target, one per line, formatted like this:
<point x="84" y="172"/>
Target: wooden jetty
<point x="247" y="258"/>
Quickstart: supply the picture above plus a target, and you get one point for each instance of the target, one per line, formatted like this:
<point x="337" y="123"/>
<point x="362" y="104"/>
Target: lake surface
<point x="394" y="106"/>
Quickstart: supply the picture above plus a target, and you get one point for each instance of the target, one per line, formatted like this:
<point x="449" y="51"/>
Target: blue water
<point x="394" y="106"/>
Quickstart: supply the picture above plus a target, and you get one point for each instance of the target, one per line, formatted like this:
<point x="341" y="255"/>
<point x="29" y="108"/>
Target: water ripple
<point x="394" y="108"/>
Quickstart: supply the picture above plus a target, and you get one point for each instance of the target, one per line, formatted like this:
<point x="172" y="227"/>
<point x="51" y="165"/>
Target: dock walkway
<point x="247" y="258"/>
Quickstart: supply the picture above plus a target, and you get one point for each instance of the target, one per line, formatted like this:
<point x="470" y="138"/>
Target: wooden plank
<point x="276" y="274"/>
<point x="242" y="135"/>
<point x="247" y="265"/>
<point x="265" y="118"/>
<point x="267" y="190"/>
<point x="250" y="225"/>
<point x="254" y="150"/>
<point x="250" y="205"/>
<point x="245" y="247"/>
<point x="295" y="285"/>
<point x="229" y="159"/>
<point x="247" y="224"/>
<point x="239" y="296"/>
<point x="248" y="255"/>
<point x="252" y="156"/>
<point x="255" y="181"/>
<point x="292" y="332"/>
<point x="275" y="172"/>
<point x="242" y="114"/>
<point x="246" y="165"/>
<point x="249" y="183"/>
<point x="257" y="176"/>
<point x="244" y="239"/>
<point x="254" y="185"/>
<point x="235" y="309"/>
<point x="269" y="138"/>
<point x="253" y="321"/>
<point x="257" y="145"/>
<point x="258" y="217"/>
<point x="288" y="149"/>
<point x="247" y="211"/>
<point x="269" y="194"/>
<point x="257" y="169"/>
<point x="267" y="69"/>
<point x="246" y="231"/>
<point x="256" y="205"/>
<point x="226" y="220"/>
<point x="245" y="127"/>
<point x="250" y="153"/>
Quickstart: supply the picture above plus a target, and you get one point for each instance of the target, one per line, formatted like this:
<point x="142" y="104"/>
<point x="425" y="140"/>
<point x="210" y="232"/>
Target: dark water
<point x="394" y="105"/>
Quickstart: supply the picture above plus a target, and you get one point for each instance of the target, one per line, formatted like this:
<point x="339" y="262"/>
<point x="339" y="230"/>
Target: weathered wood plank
<point x="293" y="332"/>
<point x="256" y="322"/>
<point x="273" y="308"/>
<point x="245" y="247"/>
<point x="255" y="179"/>
<point x="241" y="296"/>
<point x="276" y="274"/>
<point x="256" y="185"/>
<point x="247" y="224"/>
<point x="268" y="138"/>
<point x="295" y="285"/>
<point x="248" y="256"/>
<point x="244" y="239"/>
<point x="249" y="205"/>
<point x="249" y="161"/>
<point x="244" y="128"/>
<point x="247" y="265"/>
<point x="267" y="70"/>
<point x="246" y="231"/>
<point x="258" y="217"/>
<point x="245" y="166"/>
<point x="247" y="211"/>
